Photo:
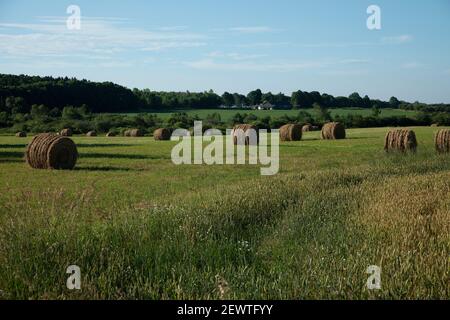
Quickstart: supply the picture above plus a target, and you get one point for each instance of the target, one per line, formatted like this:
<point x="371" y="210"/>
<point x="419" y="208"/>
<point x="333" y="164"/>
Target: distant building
<point x="265" y="106"/>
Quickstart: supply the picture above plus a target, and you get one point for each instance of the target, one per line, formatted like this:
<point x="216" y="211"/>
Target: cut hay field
<point x="140" y="227"/>
<point x="227" y="114"/>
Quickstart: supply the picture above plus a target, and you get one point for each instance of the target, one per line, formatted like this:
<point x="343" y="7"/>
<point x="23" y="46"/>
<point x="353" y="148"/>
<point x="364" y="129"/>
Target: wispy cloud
<point x="252" y="29"/>
<point x="405" y="38"/>
<point x="412" y="65"/>
<point x="235" y="55"/>
<point x="50" y="37"/>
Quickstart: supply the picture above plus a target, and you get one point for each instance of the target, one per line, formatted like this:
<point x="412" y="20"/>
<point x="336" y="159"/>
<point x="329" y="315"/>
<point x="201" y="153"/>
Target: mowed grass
<point x="227" y="114"/>
<point x="140" y="227"/>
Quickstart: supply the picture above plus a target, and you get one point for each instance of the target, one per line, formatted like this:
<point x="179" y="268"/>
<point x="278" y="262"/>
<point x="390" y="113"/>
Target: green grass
<point x="227" y="114"/>
<point x="141" y="227"/>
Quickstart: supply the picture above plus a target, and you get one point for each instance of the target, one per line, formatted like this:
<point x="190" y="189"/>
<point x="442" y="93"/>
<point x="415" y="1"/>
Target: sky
<point x="236" y="45"/>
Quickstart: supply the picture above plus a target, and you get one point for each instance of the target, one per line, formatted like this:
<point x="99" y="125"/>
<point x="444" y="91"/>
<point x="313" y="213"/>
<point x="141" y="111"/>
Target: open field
<point x="141" y="227"/>
<point x="227" y="114"/>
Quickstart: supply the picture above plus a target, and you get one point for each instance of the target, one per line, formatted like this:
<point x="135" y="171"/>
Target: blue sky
<point x="236" y="46"/>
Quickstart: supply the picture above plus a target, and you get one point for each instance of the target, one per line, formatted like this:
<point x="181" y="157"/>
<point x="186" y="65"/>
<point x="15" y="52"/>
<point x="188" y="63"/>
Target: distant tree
<point x="394" y="102"/>
<point x="254" y="97"/>
<point x="237" y="119"/>
<point x="356" y="100"/>
<point x="322" y="112"/>
<point x="376" y="111"/>
<point x="227" y="99"/>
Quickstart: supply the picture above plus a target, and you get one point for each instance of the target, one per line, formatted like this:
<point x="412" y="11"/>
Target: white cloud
<point x="411" y="65"/>
<point x="235" y="55"/>
<point x="405" y="38"/>
<point x="251" y="29"/>
<point x="50" y="37"/>
<point x="211" y="64"/>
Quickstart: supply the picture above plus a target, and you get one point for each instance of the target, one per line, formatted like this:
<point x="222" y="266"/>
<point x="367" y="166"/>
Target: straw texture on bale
<point x="91" y="134"/>
<point x="110" y="134"/>
<point x="242" y="133"/>
<point x="442" y="141"/>
<point x="21" y="134"/>
<point x="333" y="130"/>
<point x="66" y="132"/>
<point x="400" y="140"/>
<point x="51" y="151"/>
<point x="162" y="134"/>
<point x="291" y="132"/>
<point x="307" y="127"/>
<point x="137" y="133"/>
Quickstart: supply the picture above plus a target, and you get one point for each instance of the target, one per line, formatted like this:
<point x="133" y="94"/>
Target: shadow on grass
<point x="12" y="146"/>
<point x="121" y="156"/>
<point x="12" y="154"/>
<point x="11" y="161"/>
<point x="105" y="168"/>
<point x="100" y="145"/>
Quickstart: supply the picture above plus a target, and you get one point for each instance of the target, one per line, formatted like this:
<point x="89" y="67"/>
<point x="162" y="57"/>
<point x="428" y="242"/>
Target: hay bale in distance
<point x="91" y="134"/>
<point x="291" y="132"/>
<point x="307" y="127"/>
<point x="51" y="151"/>
<point x="332" y="131"/>
<point x="400" y="140"/>
<point x="136" y="133"/>
<point x="243" y="132"/>
<point x="21" y="134"/>
<point x="66" y="132"/>
<point x="442" y="141"/>
<point x="110" y="134"/>
<point x="162" y="134"/>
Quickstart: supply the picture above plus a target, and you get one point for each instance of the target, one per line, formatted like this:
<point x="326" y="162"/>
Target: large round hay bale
<point x="66" y="132"/>
<point x="162" y="134"/>
<point x="110" y="134"/>
<point x="91" y="134"/>
<point x="51" y="151"/>
<point x="291" y="132"/>
<point x="242" y="133"/>
<point x="307" y="127"/>
<point x="21" y="134"/>
<point x="333" y="130"/>
<point x="136" y="133"/>
<point x="400" y="140"/>
<point x="442" y="141"/>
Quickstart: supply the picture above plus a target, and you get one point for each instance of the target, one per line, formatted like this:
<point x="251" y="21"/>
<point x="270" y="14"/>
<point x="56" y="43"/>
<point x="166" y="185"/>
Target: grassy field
<point x="227" y="114"/>
<point x="141" y="227"/>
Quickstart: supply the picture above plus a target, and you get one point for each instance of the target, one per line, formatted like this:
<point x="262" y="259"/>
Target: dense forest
<point x="33" y="103"/>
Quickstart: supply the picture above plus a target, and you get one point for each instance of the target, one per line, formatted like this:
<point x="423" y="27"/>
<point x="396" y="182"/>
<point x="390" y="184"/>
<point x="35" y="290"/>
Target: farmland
<point x="227" y="114"/>
<point x="141" y="227"/>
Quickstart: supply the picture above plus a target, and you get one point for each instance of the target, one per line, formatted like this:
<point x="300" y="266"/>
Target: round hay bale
<point x="51" y="151"/>
<point x="110" y="134"/>
<point x="434" y="125"/>
<point x="242" y="133"/>
<point x="91" y="134"/>
<point x="136" y="133"/>
<point x="162" y="134"/>
<point x="66" y="132"/>
<point x="400" y="140"/>
<point x="21" y="134"/>
<point x="332" y="131"/>
<point x="291" y="132"/>
<point x="442" y="141"/>
<point x="307" y="127"/>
